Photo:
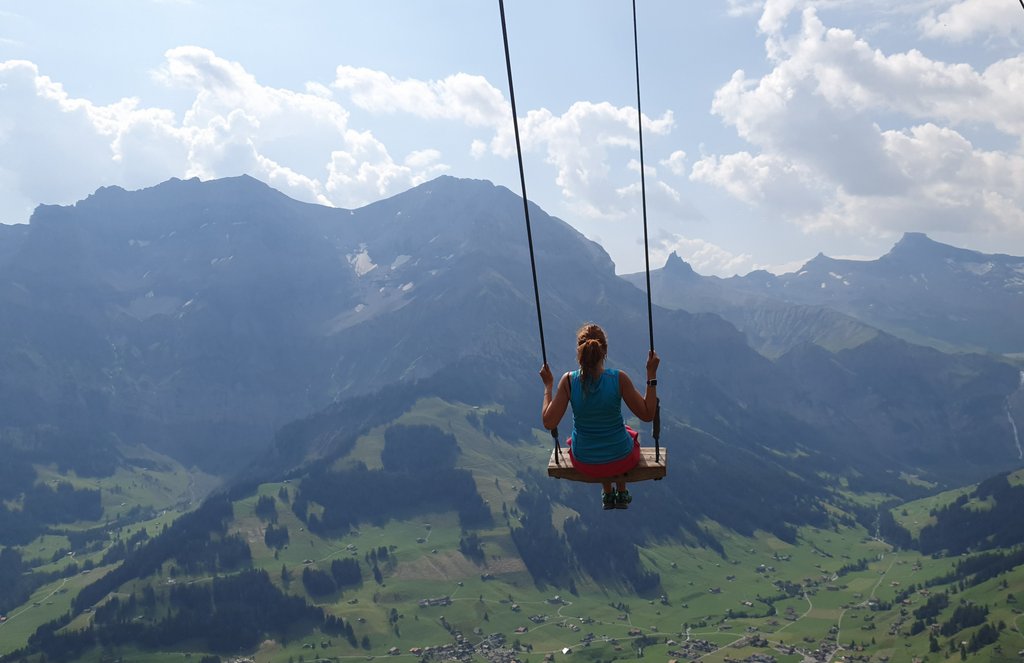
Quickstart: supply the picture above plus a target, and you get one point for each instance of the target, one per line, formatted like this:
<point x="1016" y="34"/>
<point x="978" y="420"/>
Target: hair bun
<point x="591" y="348"/>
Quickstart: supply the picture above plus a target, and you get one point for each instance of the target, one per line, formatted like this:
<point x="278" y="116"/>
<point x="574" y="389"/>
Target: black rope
<point x="526" y="207"/>
<point x="1022" y="4"/>
<point x="643" y="202"/>
<point x="643" y="183"/>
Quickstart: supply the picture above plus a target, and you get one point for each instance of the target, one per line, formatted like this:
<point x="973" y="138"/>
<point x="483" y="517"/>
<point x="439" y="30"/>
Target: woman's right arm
<point x="554" y="406"/>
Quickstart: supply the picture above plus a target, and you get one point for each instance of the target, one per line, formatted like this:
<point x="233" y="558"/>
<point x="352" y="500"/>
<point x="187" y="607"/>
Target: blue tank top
<point x="598" y="431"/>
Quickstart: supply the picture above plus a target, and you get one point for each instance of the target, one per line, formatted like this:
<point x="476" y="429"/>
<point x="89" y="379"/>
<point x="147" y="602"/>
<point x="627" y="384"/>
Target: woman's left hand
<point x="653" y="361"/>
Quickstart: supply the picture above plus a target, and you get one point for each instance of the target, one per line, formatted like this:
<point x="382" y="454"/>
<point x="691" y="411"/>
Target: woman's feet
<point x="616" y="499"/>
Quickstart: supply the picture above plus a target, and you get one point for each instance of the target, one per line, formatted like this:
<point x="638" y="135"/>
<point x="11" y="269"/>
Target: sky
<point x="773" y="129"/>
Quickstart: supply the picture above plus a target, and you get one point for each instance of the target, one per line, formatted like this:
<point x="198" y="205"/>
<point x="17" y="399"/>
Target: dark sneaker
<point x="609" y="500"/>
<point x="622" y="499"/>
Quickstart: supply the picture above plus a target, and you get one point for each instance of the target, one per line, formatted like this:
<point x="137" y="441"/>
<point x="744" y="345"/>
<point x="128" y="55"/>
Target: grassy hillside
<point x="918" y="514"/>
<point x="836" y="591"/>
<point x="133" y="499"/>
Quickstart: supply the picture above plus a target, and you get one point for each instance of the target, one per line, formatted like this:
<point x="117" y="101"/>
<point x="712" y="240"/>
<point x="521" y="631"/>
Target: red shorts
<point x="614" y="468"/>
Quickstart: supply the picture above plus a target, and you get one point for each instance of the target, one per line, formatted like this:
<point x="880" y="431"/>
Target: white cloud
<point x="676" y="163"/>
<point x="775" y="14"/>
<point x="318" y="90"/>
<point x="824" y="161"/>
<point x="705" y="258"/>
<point x="422" y="158"/>
<point x="972" y="18"/>
<point x="955" y="187"/>
<point x="591" y="147"/>
<point x="56" y="148"/>
<point x="836" y="71"/>
<point x="302" y="141"/>
<point x="744" y="7"/>
<point x="462" y="97"/>
<point x="764" y="179"/>
<point x="783" y="268"/>
<point x="52" y="148"/>
<point x="365" y="166"/>
<point x="425" y="165"/>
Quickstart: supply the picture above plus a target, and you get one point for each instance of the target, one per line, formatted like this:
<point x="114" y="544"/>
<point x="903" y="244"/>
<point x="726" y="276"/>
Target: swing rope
<point x="526" y="207"/>
<point x="643" y="202"/>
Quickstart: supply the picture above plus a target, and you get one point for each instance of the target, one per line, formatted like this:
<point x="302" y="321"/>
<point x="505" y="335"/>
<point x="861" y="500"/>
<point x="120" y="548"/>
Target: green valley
<point x="429" y="588"/>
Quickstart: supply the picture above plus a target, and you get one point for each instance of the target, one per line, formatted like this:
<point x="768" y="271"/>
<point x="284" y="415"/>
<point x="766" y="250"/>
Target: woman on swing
<point x="601" y="446"/>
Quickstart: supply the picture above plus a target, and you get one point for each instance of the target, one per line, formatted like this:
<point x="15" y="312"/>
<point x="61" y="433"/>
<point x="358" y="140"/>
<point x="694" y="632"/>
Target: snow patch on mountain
<point x="978" y="268"/>
<point x="361" y="262"/>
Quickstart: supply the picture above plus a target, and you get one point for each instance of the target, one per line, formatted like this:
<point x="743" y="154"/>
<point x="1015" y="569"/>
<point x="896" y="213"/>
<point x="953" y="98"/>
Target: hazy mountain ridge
<point x="136" y="295"/>
<point x="922" y="290"/>
<point x="771" y="326"/>
<point x="214" y="305"/>
<point x="890" y="393"/>
<point x="963" y="297"/>
<point x="196" y="317"/>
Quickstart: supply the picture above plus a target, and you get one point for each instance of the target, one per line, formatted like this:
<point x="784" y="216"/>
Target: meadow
<point x="711" y="607"/>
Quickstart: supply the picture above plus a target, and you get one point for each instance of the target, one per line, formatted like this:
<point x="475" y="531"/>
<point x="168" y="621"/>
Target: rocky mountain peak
<point x="917" y="250"/>
<point x="679" y="268"/>
<point x="817" y="264"/>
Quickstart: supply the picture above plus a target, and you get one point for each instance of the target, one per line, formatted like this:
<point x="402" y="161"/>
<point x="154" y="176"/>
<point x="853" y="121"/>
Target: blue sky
<point x="773" y="129"/>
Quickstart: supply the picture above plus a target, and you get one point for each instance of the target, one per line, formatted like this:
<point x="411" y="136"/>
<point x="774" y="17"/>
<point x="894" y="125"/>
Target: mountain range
<point x="376" y="368"/>
<point x="923" y="291"/>
<point x="197" y="318"/>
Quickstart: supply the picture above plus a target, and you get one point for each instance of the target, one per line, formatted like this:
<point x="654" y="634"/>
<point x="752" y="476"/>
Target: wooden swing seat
<point x="644" y="470"/>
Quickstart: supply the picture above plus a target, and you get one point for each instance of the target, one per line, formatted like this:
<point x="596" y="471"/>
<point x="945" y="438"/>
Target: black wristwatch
<point x="652" y="383"/>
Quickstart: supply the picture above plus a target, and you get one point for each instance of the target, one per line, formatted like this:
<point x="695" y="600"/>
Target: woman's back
<point x="599" y="433"/>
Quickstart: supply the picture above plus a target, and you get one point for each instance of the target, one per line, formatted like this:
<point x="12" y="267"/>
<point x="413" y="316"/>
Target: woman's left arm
<point x="644" y="407"/>
<point x="554" y="406"/>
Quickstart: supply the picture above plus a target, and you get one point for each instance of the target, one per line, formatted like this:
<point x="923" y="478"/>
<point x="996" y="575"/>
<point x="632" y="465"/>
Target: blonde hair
<point x="591" y="348"/>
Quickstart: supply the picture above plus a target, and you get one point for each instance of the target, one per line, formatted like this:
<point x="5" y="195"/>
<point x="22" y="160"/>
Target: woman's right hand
<point x="554" y="406"/>
<point x="546" y="377"/>
<point x="652" y="364"/>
